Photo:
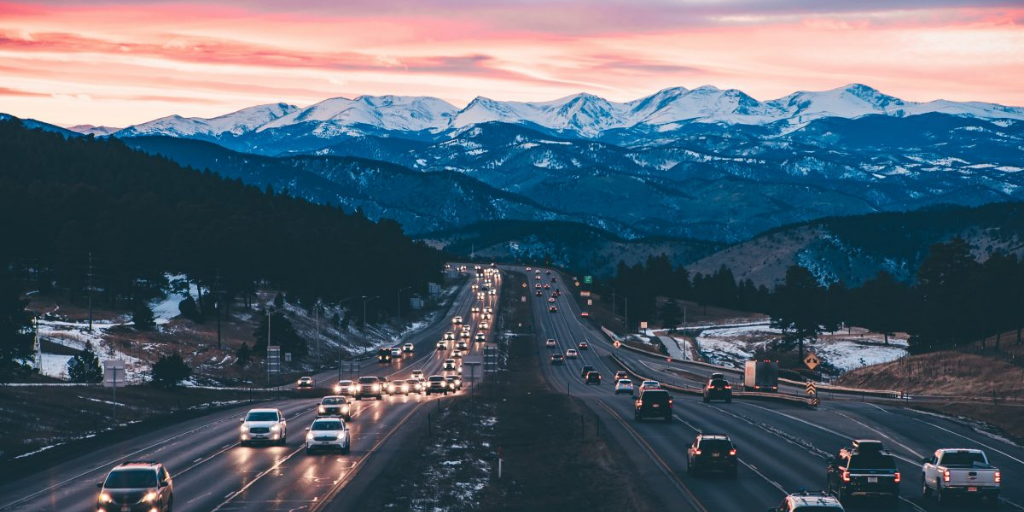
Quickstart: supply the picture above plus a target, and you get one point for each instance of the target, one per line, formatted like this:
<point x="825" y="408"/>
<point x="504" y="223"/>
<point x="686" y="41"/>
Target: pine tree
<point x="243" y="355"/>
<point x="279" y="300"/>
<point x="85" y="366"/>
<point x="142" y="317"/>
<point x="170" y="370"/>
<point x="16" y="331"/>
<point x="670" y="314"/>
<point x="798" y="307"/>
<point x="189" y="309"/>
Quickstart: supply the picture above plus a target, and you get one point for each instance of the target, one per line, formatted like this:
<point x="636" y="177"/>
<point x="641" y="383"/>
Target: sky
<point x="116" y="63"/>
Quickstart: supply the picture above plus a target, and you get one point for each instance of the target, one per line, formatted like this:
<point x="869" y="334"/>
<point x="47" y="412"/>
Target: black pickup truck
<point x="865" y="469"/>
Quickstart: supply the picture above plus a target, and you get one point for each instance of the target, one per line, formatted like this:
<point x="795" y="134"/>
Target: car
<point x="717" y="389"/>
<point x="489" y="310"/>
<point x="536" y="271"/>
<point x="456" y="320"/>
<point x="417" y="374"/>
<point x="586" y="369"/>
<point x="865" y="469"/>
<point x="408" y="348"/>
<point x="397" y="387"/>
<point x="649" y="384"/>
<point x="396" y="352"/>
<point x="571" y="353"/>
<point x="960" y="472"/>
<point x="553" y="309"/>
<point x="593" y="377"/>
<point x="653" y="403"/>
<point x="474" y="309"/>
<point x="263" y="425"/>
<point x="384" y="355"/>
<point x="441" y="345"/>
<point x="528" y="269"/>
<point x="305" y="383"/>
<point x="480" y="337"/>
<point x="584" y="345"/>
<point x="809" y="502"/>
<point x="328" y="434"/>
<point x="557" y="359"/>
<point x="623" y="386"/>
<point x="539" y="293"/>
<point x="492" y="291"/>
<point x="461" y="345"/>
<point x="437" y="384"/>
<point x="415" y="385"/>
<point x="464" y="335"/>
<point x="711" y="452"/>
<point x="536" y="278"/>
<point x="551" y="300"/>
<point x="334" y="405"/>
<point x="454" y="382"/>
<point x="550" y="343"/>
<point x="547" y="272"/>
<point x="486" y="316"/>
<point x="449" y="336"/>
<point x="481" y="296"/>
<point x="585" y="314"/>
<point x="345" y="388"/>
<point x="449" y="365"/>
<point x="621" y="374"/>
<point x="456" y="354"/>
<point x="136" y="486"/>
<point x="547" y="286"/>
<point x="554" y="279"/>
<point x="369" y="386"/>
<point x="484" y="326"/>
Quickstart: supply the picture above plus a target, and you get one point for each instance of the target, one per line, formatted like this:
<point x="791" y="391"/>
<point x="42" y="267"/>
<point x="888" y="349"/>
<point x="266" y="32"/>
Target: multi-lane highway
<point x="782" y="447"/>
<point x="211" y="472"/>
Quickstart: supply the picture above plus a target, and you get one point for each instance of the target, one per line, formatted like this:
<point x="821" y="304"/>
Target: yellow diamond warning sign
<point x="812" y="361"/>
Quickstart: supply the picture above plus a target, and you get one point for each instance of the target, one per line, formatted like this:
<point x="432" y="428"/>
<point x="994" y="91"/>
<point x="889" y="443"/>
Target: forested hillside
<point x="66" y="202"/>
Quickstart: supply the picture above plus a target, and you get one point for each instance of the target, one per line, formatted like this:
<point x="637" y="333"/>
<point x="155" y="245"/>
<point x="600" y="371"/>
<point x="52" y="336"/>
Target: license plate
<point x="259" y="436"/>
<point x="715" y="455"/>
<point x="656" y="406"/>
<point x="126" y="508"/>
<point x="872" y="479"/>
<point x="325" y="442"/>
<point x="972" y="489"/>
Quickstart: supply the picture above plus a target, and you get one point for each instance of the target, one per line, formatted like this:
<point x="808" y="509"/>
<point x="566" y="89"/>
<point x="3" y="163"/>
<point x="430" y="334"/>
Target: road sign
<point x="588" y="279"/>
<point x="585" y="293"/>
<point x="274" y="359"/>
<point x="617" y="344"/>
<point x="643" y="325"/>
<point x="812" y="361"/>
<point x="590" y="302"/>
<point x="577" y="284"/>
<point x="811" y="388"/>
<point x="114" y="373"/>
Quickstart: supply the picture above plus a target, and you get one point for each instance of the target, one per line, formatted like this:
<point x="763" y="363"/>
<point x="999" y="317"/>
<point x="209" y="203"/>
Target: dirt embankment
<point x="943" y="373"/>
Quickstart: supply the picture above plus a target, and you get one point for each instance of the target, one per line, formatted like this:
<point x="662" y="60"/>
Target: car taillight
<point x="639" y="403"/>
<point x="999" y="477"/>
<point x="732" y="452"/>
<point x="846" y="476"/>
<point x="945" y="475"/>
<point x="727" y="386"/>
<point x="897" y="479"/>
<point x="696" y="452"/>
<point x="670" y="404"/>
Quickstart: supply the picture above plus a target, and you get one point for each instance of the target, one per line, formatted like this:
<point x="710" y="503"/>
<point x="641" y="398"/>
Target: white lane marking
<point x="882" y="434"/>
<point x="879" y="408"/>
<point x="197" y="460"/>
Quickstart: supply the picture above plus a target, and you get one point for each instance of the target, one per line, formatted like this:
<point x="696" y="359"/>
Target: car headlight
<point x="275" y="428"/>
<point x="345" y="409"/>
<point x="309" y="436"/>
<point x="244" y="428"/>
<point x="105" y="498"/>
<point x="322" y="409"/>
<point x="342" y="436"/>
<point x="150" y="497"/>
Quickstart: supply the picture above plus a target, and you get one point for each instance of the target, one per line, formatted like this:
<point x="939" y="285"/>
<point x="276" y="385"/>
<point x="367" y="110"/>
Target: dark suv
<point x="717" y="389"/>
<point x="593" y="377"/>
<point x="864" y="469"/>
<point x="384" y="355"/>
<point x="587" y="369"/>
<point x="711" y="452"/>
<point x="139" y="485"/>
<point x="653" y="403"/>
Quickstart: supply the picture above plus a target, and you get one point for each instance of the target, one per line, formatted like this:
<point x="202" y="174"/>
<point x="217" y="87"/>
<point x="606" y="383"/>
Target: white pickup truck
<point x="960" y="472"/>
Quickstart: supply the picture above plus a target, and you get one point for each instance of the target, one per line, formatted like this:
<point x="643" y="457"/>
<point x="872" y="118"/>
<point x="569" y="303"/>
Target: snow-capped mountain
<point x="265" y="128"/>
<point x="233" y="124"/>
<point x="99" y="131"/>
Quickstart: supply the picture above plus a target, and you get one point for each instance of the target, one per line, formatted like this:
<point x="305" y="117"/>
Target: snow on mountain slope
<point x="235" y="123"/>
<point x="585" y="115"/>
<point x="398" y="113"/>
<point x="99" y="131"/>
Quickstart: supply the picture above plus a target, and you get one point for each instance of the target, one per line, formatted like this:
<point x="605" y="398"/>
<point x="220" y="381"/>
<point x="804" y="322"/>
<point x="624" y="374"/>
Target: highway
<point x="782" y="447"/>
<point x="211" y="472"/>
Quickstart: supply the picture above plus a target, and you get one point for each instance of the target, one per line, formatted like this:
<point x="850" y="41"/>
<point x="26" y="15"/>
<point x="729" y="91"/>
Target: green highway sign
<point x="588" y="279"/>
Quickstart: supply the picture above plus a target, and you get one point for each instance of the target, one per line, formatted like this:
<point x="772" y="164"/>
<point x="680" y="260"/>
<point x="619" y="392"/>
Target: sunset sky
<point x="122" y="62"/>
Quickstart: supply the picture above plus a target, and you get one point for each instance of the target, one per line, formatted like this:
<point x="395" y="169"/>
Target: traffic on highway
<point x="705" y="438"/>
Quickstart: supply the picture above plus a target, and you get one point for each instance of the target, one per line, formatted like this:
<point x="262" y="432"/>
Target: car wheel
<point x="170" y="505"/>
<point x="940" y="496"/>
<point x="926" y="492"/>
<point x="284" y="440"/>
<point x="346" y="450"/>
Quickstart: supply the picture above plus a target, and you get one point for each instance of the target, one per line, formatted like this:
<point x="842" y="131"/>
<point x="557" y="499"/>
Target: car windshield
<point x="130" y="479"/>
<point x="624" y="382"/>
<point x="368" y="380"/>
<point x="436" y="379"/>
<point x="326" y="425"/>
<point x="655" y="396"/>
<point x="333" y="400"/>
<point x="261" y="416"/>
<point x="715" y="445"/>
<point x="962" y="459"/>
<point x="719" y="382"/>
<point x="872" y="461"/>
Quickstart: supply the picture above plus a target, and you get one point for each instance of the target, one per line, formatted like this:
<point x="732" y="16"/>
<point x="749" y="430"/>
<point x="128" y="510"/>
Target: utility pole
<point x="627" y="316"/>
<point x="365" y="300"/>
<point x="220" y="298"/>
<point x="90" y="292"/>
<point x="316" y="316"/>
<point x="399" y="310"/>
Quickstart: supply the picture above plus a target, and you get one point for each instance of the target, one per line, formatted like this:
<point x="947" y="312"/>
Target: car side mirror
<point x="307" y="429"/>
<point x="99" y="485"/>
